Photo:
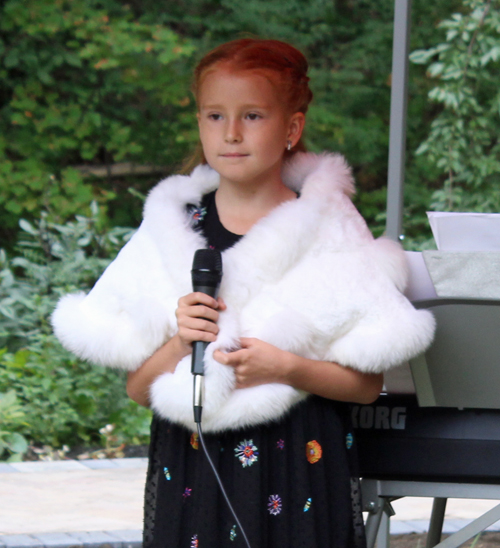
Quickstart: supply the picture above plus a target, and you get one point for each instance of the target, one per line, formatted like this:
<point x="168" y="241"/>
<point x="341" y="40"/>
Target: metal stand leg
<point x="372" y="526"/>
<point x="436" y="523"/>
<point x="383" y="532"/>
<point x="377" y="524"/>
<point x="478" y="525"/>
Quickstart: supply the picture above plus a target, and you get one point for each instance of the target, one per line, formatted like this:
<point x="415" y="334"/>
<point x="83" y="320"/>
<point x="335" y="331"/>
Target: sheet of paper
<point x="465" y="231"/>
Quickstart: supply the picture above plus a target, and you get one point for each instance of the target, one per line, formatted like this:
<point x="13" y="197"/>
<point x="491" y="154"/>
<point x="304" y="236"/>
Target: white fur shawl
<point x="308" y="278"/>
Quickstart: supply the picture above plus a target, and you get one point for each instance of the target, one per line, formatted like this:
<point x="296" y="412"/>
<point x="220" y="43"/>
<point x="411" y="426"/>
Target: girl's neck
<point x="240" y="207"/>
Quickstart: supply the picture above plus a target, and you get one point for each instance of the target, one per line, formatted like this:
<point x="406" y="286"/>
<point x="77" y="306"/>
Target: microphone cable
<point x="221" y="485"/>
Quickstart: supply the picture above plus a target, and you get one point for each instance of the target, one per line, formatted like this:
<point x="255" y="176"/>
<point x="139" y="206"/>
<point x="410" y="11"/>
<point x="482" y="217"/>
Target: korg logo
<point x="379" y="417"/>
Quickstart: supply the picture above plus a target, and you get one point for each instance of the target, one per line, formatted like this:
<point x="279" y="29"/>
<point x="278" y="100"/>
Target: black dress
<point x="293" y="483"/>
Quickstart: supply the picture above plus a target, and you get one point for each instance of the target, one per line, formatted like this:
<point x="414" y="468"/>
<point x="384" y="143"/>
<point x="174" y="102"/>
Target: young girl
<point x="309" y="315"/>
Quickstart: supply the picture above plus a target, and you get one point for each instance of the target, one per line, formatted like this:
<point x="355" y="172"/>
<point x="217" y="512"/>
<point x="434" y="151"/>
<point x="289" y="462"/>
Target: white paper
<point x="465" y="231"/>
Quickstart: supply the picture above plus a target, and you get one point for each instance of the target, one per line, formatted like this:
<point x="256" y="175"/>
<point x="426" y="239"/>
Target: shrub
<point x="64" y="400"/>
<point x="11" y="416"/>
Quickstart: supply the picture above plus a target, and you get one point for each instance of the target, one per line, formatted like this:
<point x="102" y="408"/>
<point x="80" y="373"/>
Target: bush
<point x="461" y="147"/>
<point x="64" y="400"/>
<point x="83" y="82"/>
<point x="11" y="416"/>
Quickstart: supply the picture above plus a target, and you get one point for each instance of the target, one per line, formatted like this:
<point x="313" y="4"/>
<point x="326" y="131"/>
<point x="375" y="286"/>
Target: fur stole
<point x="308" y="278"/>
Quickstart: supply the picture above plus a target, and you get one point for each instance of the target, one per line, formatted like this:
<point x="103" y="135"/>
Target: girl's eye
<point x="215" y="117"/>
<point x="253" y="116"/>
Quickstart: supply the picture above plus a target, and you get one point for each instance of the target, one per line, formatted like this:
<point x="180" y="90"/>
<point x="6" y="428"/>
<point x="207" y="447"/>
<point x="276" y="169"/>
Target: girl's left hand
<point x="257" y="362"/>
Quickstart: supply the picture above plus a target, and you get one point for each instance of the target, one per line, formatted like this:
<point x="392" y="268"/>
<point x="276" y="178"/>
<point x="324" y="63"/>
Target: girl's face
<point x="244" y="128"/>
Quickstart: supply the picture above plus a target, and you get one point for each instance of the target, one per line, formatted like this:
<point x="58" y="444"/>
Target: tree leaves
<point x="75" y="77"/>
<point x="463" y="139"/>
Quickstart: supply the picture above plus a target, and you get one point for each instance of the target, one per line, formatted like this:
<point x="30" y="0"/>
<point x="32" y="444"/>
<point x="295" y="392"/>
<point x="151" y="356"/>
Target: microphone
<point x="206" y="276"/>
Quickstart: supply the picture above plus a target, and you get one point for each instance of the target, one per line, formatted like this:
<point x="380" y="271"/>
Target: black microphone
<point x="206" y="276"/>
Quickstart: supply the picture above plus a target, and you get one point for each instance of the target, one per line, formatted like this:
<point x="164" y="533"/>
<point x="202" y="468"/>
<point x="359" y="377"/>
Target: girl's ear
<point x="295" y="127"/>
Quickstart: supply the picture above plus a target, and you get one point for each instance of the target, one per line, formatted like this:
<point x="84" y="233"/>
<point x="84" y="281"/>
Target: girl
<point x="310" y="313"/>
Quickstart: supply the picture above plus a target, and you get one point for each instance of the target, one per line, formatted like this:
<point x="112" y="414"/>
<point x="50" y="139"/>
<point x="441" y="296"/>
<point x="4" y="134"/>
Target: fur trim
<point x="330" y="167"/>
<point x="392" y="259"/>
<point x="308" y="278"/>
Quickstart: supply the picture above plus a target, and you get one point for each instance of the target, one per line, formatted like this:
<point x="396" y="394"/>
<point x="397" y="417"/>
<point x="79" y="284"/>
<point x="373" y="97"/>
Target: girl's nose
<point x="233" y="132"/>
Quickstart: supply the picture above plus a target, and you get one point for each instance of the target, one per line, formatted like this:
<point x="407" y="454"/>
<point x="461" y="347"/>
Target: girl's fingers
<point x="191" y="336"/>
<point x="221" y="357"/>
<point x="197" y="315"/>
<point x="198" y="298"/>
<point x="198" y="311"/>
<point x="234" y="359"/>
<point x="198" y="324"/>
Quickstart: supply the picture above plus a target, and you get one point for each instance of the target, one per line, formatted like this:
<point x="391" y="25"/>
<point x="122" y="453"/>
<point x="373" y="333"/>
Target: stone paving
<point x="93" y="503"/>
<point x="72" y="503"/>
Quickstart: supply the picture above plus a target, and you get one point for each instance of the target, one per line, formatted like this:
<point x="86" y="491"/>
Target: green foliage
<point x="11" y="417"/>
<point x="82" y="81"/>
<point x="463" y="140"/>
<point x="102" y="82"/>
<point x="64" y="400"/>
<point x="54" y="260"/>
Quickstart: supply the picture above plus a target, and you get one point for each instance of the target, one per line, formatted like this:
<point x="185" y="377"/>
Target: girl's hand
<point x="257" y="362"/>
<point x="197" y="315"/>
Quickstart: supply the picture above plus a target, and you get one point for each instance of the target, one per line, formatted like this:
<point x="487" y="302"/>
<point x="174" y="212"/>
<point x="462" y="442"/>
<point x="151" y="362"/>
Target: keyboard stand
<point x="377" y="496"/>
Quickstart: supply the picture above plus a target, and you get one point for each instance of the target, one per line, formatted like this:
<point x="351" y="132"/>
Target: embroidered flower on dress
<point x="307" y="505"/>
<point x="349" y="440"/>
<point x="167" y="473"/>
<point x="280" y="444"/>
<point x="313" y="451"/>
<point x="187" y="493"/>
<point x="194" y="541"/>
<point x="247" y="453"/>
<point x="194" y="441"/>
<point x="274" y="505"/>
<point x="232" y="534"/>
<point x="197" y="215"/>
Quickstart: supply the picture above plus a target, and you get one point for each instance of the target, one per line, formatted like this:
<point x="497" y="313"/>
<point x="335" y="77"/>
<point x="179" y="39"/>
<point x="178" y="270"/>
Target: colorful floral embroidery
<point x="307" y="505"/>
<point x="280" y="444"/>
<point x="274" y="505"/>
<point x="247" y="453"/>
<point x="194" y="541"/>
<point x="197" y="215"/>
<point x="232" y="534"/>
<point x="349" y="440"/>
<point x="313" y="451"/>
<point x="194" y="441"/>
<point x="167" y="474"/>
<point x="187" y="493"/>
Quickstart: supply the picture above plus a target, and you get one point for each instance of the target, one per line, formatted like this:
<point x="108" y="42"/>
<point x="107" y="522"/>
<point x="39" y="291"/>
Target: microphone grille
<point x="207" y="259"/>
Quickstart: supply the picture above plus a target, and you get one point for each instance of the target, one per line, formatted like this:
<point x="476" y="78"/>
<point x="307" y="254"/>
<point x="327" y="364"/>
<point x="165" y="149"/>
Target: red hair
<point x="284" y="65"/>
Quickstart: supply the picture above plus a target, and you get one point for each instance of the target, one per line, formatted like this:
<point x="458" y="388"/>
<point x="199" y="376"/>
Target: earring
<point x="289" y="145"/>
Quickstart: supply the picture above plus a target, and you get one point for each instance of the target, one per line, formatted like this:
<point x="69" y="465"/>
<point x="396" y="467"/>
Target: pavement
<point x="92" y="503"/>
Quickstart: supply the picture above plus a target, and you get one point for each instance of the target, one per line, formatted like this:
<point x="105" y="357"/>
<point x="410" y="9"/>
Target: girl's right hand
<point x="197" y="315"/>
